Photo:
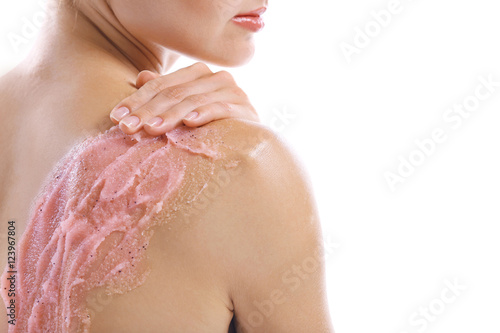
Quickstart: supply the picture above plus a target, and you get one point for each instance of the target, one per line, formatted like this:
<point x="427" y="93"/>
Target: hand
<point x="193" y="96"/>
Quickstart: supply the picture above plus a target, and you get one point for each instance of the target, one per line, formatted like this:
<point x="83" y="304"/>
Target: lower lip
<point x="252" y="23"/>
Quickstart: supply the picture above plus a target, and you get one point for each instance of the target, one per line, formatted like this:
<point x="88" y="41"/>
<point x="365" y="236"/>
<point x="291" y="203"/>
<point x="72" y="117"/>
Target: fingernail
<point x="156" y="121"/>
<point x="119" y="113"/>
<point x="131" y="121"/>
<point x="191" y="115"/>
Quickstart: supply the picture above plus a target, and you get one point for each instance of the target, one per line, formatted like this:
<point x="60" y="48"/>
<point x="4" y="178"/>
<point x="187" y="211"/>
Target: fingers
<point x="203" y="108"/>
<point x="190" y="95"/>
<point x="149" y="89"/>
<point x="174" y="116"/>
<point x="144" y="77"/>
<point x="221" y="110"/>
<point x="233" y="104"/>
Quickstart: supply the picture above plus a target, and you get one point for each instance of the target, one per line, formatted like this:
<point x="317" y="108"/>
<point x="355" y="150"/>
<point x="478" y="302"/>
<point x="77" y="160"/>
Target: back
<point x="63" y="234"/>
<point x="90" y="227"/>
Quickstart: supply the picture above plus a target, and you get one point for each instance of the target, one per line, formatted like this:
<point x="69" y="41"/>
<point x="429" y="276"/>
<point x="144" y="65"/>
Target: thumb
<point x="145" y="76"/>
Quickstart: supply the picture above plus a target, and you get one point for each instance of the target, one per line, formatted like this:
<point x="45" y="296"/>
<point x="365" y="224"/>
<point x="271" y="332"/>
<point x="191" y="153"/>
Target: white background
<point x="351" y="123"/>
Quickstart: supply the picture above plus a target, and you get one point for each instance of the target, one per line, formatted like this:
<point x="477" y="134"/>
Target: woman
<point x="203" y="229"/>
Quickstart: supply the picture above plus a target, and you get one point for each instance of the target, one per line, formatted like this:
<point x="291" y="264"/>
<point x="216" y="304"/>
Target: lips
<point x="251" y="20"/>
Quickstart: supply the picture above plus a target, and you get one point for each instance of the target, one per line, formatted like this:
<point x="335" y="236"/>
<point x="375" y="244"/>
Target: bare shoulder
<point x="266" y="191"/>
<point x="262" y="157"/>
<point x="258" y="170"/>
<point x="258" y="226"/>
<point x="254" y="143"/>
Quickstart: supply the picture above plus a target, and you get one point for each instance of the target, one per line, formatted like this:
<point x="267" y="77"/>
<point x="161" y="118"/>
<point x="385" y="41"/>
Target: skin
<point x="250" y="243"/>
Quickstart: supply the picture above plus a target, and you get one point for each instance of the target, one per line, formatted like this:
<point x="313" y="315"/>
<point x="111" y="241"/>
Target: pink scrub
<point x="91" y="225"/>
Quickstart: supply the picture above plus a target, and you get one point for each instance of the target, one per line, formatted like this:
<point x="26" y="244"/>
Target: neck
<point x="86" y="53"/>
<point x="72" y="33"/>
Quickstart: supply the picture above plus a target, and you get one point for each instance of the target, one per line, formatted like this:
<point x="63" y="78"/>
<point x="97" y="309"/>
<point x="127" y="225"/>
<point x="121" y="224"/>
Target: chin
<point x="230" y="62"/>
<point x="234" y="57"/>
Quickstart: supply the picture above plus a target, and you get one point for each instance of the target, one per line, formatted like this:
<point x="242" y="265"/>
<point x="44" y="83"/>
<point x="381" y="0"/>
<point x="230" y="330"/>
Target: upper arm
<point x="268" y="242"/>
